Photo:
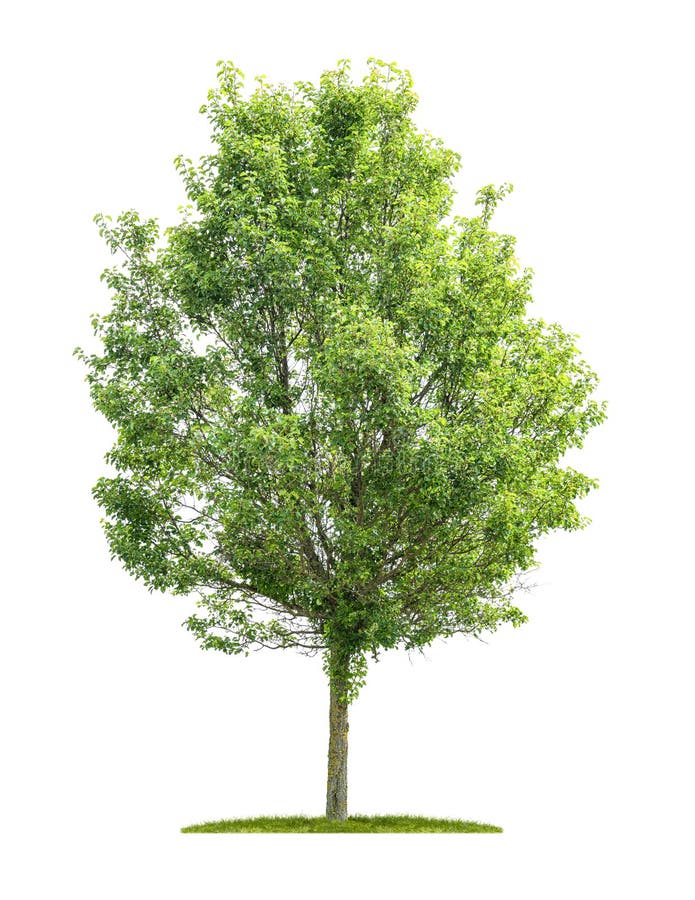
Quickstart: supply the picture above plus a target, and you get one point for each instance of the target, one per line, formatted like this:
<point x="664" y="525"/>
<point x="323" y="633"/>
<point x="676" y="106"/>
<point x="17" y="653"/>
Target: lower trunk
<point x="336" y="786"/>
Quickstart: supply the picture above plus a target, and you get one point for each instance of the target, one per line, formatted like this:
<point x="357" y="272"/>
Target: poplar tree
<point x="336" y="424"/>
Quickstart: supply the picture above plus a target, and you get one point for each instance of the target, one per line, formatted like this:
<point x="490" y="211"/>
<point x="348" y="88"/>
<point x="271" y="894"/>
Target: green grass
<point x="362" y="824"/>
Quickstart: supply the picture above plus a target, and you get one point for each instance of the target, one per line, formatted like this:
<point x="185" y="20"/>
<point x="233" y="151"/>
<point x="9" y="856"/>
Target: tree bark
<point x="336" y="786"/>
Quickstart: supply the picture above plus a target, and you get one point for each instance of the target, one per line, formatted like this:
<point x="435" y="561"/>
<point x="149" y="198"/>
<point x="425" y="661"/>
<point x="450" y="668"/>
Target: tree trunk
<point x="336" y="786"/>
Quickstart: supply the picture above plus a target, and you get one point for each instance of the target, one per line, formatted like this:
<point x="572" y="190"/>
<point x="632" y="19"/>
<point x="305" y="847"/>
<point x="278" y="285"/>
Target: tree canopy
<point x="336" y="423"/>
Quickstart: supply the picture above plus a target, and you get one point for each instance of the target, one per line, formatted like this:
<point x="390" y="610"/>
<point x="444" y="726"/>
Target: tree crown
<point x="335" y="422"/>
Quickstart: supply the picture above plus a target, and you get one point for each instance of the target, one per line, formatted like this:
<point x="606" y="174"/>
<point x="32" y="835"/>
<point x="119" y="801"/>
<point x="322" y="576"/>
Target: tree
<point x="335" y="423"/>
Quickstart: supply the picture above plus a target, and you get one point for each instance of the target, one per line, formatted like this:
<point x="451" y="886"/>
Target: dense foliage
<point x="335" y="421"/>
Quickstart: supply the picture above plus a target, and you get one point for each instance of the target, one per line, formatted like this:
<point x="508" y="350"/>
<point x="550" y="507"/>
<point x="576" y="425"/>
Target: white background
<point x="573" y="732"/>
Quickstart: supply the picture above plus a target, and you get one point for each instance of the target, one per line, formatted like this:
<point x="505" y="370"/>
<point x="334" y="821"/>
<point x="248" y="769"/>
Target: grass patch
<point x="354" y="824"/>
